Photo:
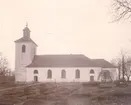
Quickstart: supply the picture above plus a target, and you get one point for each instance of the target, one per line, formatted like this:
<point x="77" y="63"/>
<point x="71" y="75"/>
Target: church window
<point x="35" y="71"/>
<point x="77" y="73"/>
<point x="36" y="78"/>
<point x="63" y="74"/>
<point x="92" y="71"/>
<point x="91" y="78"/>
<point x="49" y="74"/>
<point x="23" y="48"/>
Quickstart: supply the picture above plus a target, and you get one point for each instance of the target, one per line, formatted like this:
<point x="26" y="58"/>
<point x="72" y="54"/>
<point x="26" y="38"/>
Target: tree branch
<point x="122" y="9"/>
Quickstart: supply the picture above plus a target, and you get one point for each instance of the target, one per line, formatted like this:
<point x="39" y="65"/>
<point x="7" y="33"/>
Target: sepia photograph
<point x="65" y="52"/>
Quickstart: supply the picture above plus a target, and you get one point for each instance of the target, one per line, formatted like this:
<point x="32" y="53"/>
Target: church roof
<point x="70" y="60"/>
<point x="103" y="63"/>
<point x="24" y="39"/>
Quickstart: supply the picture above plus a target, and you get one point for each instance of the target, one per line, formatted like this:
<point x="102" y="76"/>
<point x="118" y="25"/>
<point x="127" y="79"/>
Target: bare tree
<point x="123" y="63"/>
<point x="128" y="69"/>
<point x="117" y="62"/>
<point x="121" y="9"/>
<point x="128" y="75"/>
<point x="125" y="66"/>
<point x="3" y="66"/>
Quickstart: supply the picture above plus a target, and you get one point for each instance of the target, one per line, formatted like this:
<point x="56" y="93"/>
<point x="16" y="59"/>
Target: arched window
<point x="63" y="74"/>
<point x="77" y="73"/>
<point x="23" y="48"/>
<point x="35" y="71"/>
<point x="92" y="71"/>
<point x="36" y="78"/>
<point x="91" y="78"/>
<point x="49" y="74"/>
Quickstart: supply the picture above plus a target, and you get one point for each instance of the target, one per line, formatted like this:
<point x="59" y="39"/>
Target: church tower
<point x="25" y="50"/>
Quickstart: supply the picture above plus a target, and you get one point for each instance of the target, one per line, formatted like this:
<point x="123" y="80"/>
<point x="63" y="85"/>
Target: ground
<point x="68" y="94"/>
<point x="105" y="94"/>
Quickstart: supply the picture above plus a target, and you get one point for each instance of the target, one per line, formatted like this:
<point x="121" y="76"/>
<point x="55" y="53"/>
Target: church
<point x="30" y="67"/>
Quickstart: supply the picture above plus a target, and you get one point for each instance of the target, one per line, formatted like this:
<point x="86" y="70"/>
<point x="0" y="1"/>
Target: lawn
<point x="59" y="94"/>
<point x="107" y="94"/>
<point x="103" y="94"/>
<point x="45" y="92"/>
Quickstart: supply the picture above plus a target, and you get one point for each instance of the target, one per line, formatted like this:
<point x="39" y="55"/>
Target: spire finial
<point x="26" y="24"/>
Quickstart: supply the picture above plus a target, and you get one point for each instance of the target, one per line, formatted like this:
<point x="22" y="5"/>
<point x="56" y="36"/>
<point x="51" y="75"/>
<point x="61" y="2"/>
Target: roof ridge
<point x="98" y="59"/>
<point x="60" y="54"/>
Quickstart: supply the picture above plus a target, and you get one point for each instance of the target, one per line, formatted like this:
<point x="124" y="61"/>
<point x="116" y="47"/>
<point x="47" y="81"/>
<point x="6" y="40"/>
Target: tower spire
<point x="26" y="24"/>
<point x="26" y="31"/>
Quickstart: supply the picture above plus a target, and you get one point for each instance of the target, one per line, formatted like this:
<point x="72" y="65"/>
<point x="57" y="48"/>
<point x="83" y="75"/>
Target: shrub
<point x="121" y="83"/>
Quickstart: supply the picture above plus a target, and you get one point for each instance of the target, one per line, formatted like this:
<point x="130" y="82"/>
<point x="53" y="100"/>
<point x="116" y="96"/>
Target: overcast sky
<point x="64" y="27"/>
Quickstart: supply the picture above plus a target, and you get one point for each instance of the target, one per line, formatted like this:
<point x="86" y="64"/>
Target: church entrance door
<point x="36" y="78"/>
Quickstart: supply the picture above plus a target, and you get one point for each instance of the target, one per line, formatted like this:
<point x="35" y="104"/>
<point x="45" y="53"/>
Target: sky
<point x="64" y="27"/>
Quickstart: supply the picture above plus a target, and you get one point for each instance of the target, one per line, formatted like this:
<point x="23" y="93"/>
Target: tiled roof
<point x="23" y="39"/>
<point x="103" y="63"/>
<point x="70" y="60"/>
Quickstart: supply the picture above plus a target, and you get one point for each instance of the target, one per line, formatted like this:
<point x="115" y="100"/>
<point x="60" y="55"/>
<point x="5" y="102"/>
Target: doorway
<point x="36" y="78"/>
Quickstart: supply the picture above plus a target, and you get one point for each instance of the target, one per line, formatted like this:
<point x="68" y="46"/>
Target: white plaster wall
<point x="56" y="74"/>
<point x="20" y="75"/>
<point x="23" y="59"/>
<point x="33" y="50"/>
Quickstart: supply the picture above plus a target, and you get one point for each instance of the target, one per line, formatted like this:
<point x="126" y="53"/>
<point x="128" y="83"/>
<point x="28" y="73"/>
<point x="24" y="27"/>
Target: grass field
<point x="69" y="94"/>
<point x="107" y="94"/>
<point x="103" y="94"/>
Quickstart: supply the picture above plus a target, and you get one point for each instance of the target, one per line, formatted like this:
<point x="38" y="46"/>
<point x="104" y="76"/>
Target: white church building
<point x="31" y="67"/>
